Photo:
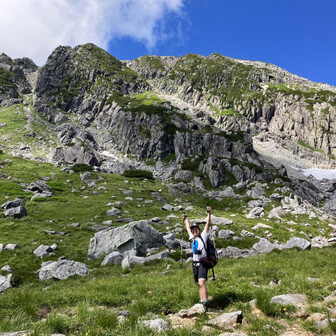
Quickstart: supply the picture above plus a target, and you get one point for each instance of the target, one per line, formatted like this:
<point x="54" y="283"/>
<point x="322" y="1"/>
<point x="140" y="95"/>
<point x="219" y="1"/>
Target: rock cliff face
<point x="252" y="96"/>
<point x="196" y="114"/>
<point x="15" y="78"/>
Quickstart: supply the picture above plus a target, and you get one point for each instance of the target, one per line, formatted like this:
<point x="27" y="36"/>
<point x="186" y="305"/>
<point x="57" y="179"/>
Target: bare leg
<point x="202" y="289"/>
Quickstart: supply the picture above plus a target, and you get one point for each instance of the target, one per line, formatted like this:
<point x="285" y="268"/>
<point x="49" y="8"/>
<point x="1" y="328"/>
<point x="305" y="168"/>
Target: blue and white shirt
<point x="197" y="245"/>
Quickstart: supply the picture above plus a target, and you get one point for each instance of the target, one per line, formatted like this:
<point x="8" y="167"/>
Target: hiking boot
<point x="205" y="303"/>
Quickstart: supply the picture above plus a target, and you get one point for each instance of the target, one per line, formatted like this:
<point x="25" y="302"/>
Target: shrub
<point x="81" y="167"/>
<point x="138" y="173"/>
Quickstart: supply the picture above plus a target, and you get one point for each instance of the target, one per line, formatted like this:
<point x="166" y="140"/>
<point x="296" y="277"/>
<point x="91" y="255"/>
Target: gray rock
<point x="261" y="226"/>
<point x="17" y="202"/>
<point x="39" y="187"/>
<point x="157" y="324"/>
<point x="245" y="233"/>
<point x="227" y="320"/>
<point x="264" y="246"/>
<point x="277" y="213"/>
<point x="196" y="310"/>
<point x="133" y="238"/>
<point x="256" y="213"/>
<point x="114" y="258"/>
<point x="290" y="299"/>
<point x="12" y="247"/>
<point x="219" y="221"/>
<point x="41" y="195"/>
<point x="7" y="269"/>
<point x="183" y="175"/>
<point x="18" y="212"/>
<point x="130" y="261"/>
<point x="5" y="282"/>
<point x="233" y="252"/>
<point x="301" y="243"/>
<point x="43" y="251"/>
<point x="113" y="212"/>
<point x="256" y="192"/>
<point x="225" y="234"/>
<point x="168" y="207"/>
<point x="61" y="269"/>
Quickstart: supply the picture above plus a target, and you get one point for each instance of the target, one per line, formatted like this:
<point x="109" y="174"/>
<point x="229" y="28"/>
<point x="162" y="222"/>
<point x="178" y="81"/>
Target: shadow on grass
<point x="223" y="300"/>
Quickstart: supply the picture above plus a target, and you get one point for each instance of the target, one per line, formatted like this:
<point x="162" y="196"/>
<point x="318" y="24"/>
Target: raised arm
<point x="208" y="220"/>
<point x="187" y="223"/>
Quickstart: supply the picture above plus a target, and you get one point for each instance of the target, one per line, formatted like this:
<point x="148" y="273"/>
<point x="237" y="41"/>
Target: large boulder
<point x="61" y="269"/>
<point x="133" y="239"/>
<point x="15" y="208"/>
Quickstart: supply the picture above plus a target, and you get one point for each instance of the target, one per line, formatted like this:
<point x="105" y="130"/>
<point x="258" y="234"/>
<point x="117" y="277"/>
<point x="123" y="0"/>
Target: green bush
<point x="138" y="173"/>
<point x="81" y="167"/>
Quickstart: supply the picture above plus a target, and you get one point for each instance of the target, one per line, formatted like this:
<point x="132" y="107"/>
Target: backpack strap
<point x="205" y="245"/>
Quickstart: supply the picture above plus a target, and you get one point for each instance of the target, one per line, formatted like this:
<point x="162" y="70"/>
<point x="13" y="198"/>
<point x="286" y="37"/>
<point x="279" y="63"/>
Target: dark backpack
<point x="210" y="261"/>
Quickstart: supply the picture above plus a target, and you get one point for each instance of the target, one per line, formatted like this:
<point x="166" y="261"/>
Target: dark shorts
<point x="200" y="272"/>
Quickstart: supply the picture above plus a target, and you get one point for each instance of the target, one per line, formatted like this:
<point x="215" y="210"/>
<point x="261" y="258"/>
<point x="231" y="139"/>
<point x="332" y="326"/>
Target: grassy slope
<point x="88" y="306"/>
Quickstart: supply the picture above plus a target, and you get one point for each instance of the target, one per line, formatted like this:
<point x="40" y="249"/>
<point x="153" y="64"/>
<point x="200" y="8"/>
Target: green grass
<point x="89" y="305"/>
<point x="304" y="144"/>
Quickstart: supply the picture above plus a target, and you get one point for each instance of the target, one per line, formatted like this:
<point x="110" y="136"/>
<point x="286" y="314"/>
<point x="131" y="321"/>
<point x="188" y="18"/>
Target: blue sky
<point x="298" y="35"/>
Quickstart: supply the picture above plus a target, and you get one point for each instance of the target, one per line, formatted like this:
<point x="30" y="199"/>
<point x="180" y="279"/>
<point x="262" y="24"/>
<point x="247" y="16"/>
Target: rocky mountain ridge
<point x="191" y="118"/>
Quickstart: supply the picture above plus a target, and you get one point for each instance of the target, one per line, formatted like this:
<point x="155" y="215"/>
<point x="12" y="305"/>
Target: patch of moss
<point x="304" y="144"/>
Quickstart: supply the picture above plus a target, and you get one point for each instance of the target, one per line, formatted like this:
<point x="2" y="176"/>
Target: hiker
<point x="198" y="239"/>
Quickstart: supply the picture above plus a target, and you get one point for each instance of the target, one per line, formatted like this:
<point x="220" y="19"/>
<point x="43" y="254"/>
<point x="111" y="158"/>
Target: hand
<point x="184" y="216"/>
<point x="208" y="209"/>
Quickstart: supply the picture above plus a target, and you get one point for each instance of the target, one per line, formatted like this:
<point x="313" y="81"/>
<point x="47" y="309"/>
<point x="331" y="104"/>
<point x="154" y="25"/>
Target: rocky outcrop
<point x="253" y="97"/>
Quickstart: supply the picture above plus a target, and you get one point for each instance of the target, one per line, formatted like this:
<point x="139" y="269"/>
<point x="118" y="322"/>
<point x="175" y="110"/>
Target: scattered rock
<point x="12" y="247"/>
<point x="168" y="207"/>
<point x="157" y="324"/>
<point x="113" y="212"/>
<point x="256" y="213"/>
<point x="44" y="250"/>
<point x="61" y="269"/>
<point x="197" y="309"/>
<point x="227" y="320"/>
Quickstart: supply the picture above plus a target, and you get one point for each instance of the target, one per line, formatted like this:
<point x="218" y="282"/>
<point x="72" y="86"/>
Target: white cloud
<point x="34" y="28"/>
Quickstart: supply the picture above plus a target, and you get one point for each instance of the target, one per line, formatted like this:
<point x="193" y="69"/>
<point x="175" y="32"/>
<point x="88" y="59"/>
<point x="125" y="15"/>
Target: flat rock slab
<point x="296" y="300"/>
<point x="62" y="269"/>
<point x="227" y="320"/>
